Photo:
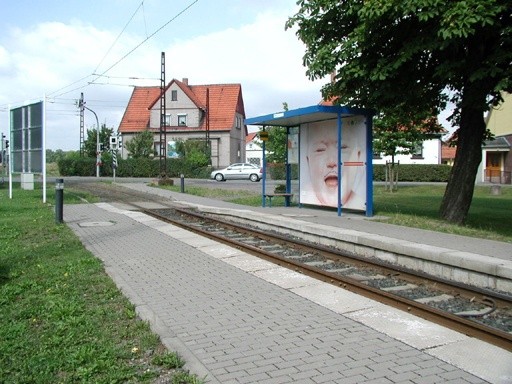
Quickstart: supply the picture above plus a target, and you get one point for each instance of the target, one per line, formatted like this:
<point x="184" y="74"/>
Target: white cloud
<point x="261" y="55"/>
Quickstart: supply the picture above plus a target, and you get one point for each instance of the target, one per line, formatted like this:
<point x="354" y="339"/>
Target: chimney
<point x="185" y="80"/>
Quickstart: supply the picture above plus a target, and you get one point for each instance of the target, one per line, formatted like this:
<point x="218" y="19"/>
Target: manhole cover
<point x="96" y="224"/>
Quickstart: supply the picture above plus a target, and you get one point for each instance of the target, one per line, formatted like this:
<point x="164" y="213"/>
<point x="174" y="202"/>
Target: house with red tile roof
<point x="253" y="149"/>
<point x="192" y="112"/>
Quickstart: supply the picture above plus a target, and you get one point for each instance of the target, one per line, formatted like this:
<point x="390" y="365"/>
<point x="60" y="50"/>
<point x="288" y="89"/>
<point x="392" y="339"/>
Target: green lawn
<point x="418" y="206"/>
<point x="62" y="319"/>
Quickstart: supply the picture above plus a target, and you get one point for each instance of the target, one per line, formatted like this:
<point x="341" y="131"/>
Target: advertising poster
<point x="319" y="163"/>
<point x="171" y="150"/>
<point x="293" y="145"/>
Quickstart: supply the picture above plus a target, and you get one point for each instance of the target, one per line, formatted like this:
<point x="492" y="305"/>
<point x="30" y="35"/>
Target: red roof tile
<point x="447" y="151"/>
<point x="250" y="137"/>
<point x="136" y="115"/>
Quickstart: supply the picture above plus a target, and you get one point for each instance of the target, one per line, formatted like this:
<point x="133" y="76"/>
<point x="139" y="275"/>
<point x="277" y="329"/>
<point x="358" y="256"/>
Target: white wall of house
<point x="430" y="154"/>
<point x="182" y="106"/>
<point x="253" y="153"/>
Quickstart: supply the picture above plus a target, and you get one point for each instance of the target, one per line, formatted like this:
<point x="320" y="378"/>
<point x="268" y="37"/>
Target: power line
<point x="150" y="36"/>
<point x="122" y="58"/>
<point x="118" y="36"/>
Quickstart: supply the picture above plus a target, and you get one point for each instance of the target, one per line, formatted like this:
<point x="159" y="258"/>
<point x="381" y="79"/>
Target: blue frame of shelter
<point x="316" y="113"/>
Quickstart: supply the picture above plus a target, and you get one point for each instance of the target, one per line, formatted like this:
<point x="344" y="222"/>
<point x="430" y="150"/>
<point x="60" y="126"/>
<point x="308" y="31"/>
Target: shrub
<point x="415" y="172"/>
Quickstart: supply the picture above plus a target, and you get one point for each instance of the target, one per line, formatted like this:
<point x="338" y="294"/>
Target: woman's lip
<point x="331" y="180"/>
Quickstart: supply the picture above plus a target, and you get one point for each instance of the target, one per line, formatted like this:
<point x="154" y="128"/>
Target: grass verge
<point x="62" y="319"/>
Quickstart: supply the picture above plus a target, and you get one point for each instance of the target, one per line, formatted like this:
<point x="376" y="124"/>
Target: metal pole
<point x="182" y="183"/>
<point x="98" y="152"/>
<point x="59" y="200"/>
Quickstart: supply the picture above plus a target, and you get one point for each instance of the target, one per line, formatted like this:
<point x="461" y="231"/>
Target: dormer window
<point x="182" y="120"/>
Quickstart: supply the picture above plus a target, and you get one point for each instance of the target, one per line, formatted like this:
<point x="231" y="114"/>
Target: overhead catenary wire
<point x="120" y="33"/>
<point x="150" y="36"/>
<point x="96" y="75"/>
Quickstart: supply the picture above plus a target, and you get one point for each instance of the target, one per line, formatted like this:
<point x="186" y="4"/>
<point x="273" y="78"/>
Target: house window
<point x="168" y="120"/>
<point x="174" y="95"/>
<point x="377" y="155"/>
<point x="182" y="120"/>
<point x="418" y="152"/>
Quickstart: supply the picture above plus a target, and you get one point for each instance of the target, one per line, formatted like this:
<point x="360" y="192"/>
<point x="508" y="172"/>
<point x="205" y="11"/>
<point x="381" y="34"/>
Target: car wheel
<point x="254" y="177"/>
<point x="219" y="177"/>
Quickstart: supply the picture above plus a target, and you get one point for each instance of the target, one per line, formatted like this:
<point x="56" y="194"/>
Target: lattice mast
<point x="81" y="105"/>
<point x="163" y="131"/>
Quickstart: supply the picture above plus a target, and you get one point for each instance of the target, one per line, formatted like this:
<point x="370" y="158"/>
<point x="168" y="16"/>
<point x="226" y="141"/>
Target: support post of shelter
<point x="264" y="177"/>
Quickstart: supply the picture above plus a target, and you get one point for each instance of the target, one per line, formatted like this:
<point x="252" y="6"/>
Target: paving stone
<point x="236" y="327"/>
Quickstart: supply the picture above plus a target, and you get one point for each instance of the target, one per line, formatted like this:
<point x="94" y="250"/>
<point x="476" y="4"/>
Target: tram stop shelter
<point x="332" y="148"/>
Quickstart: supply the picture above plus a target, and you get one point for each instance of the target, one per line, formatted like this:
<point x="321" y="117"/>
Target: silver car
<point x="240" y="171"/>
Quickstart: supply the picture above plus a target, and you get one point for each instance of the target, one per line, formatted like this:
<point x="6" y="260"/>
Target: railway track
<point x="483" y="314"/>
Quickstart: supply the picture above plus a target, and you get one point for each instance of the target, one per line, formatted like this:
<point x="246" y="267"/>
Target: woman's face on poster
<point x="322" y="158"/>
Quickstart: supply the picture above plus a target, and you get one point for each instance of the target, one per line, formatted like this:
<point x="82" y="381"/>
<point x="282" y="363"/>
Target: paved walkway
<point x="238" y="319"/>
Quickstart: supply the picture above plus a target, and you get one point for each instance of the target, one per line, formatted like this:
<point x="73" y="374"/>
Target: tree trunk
<point x="459" y="191"/>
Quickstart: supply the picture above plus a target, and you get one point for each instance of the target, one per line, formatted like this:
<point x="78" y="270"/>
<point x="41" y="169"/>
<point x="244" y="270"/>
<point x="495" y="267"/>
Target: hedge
<point x="177" y="167"/>
<point x="131" y="168"/>
<point x="415" y="172"/>
<point x="406" y="172"/>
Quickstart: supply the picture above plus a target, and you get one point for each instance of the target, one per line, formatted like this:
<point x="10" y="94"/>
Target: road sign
<point x="263" y="135"/>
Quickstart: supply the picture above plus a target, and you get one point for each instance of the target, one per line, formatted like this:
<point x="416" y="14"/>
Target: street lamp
<point x="98" y="152"/>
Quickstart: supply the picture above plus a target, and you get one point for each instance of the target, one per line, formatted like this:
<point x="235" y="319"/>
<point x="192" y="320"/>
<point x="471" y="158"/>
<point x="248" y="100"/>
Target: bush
<point x="86" y="166"/>
<point x="277" y="171"/>
<point x="415" y="172"/>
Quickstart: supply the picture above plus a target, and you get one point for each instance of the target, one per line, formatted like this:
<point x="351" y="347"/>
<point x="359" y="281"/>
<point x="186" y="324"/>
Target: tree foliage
<point x="276" y="144"/>
<point x="195" y="152"/>
<point x="393" y="136"/>
<point x="413" y="56"/>
<point x="141" y="145"/>
<point x="90" y="141"/>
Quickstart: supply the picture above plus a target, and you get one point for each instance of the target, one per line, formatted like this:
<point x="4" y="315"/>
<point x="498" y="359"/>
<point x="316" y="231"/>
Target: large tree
<point x="415" y="56"/>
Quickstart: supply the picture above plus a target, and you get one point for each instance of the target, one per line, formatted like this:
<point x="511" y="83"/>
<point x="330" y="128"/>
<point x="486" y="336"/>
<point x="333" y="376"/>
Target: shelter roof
<point x="310" y="114"/>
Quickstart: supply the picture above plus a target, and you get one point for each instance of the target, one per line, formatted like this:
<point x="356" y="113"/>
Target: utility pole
<point x="163" y="129"/>
<point x="98" y="148"/>
<point x="82" y="125"/>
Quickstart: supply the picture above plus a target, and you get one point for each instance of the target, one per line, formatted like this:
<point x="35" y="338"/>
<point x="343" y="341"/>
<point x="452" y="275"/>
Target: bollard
<point x="182" y="183"/>
<point x="59" y="200"/>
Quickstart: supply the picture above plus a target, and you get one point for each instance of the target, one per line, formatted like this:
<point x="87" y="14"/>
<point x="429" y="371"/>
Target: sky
<point x="56" y="49"/>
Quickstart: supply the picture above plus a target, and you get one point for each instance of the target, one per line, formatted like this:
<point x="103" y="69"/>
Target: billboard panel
<point x="27" y="138"/>
<point x="319" y="172"/>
